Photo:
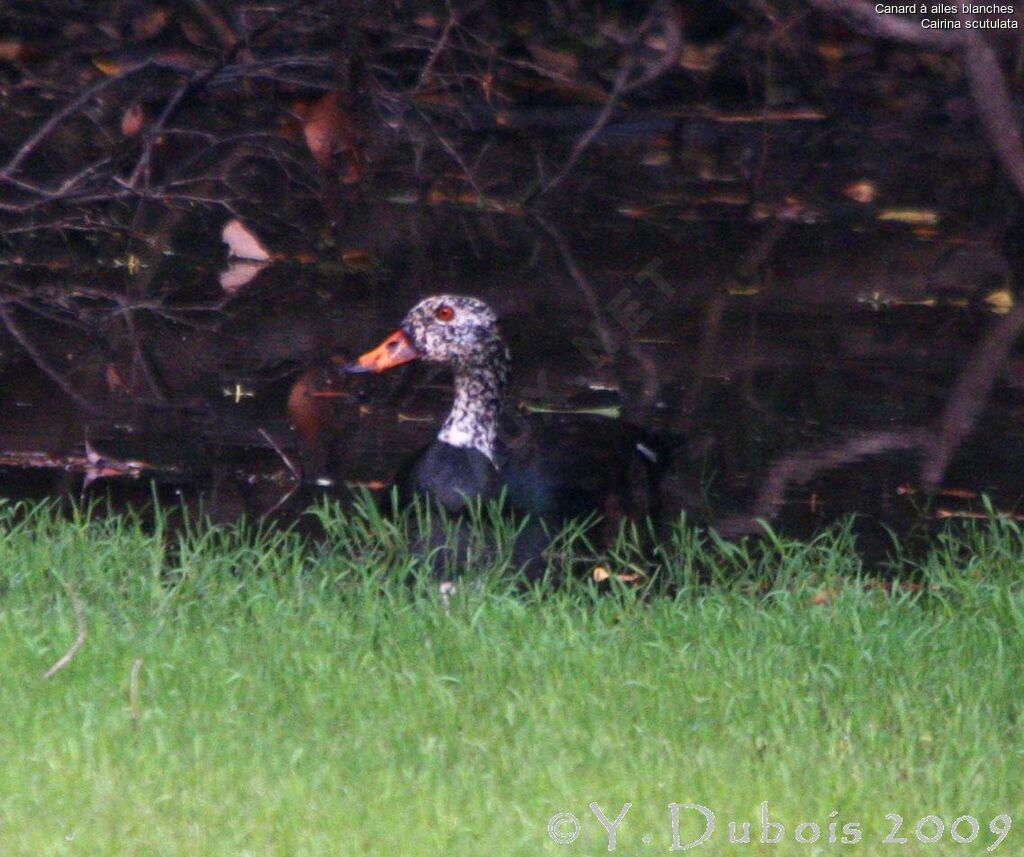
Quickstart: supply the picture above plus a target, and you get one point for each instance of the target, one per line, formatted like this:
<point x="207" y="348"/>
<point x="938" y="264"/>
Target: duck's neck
<point x="479" y="389"/>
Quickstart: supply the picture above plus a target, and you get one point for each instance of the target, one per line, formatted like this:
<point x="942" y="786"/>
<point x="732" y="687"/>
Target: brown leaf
<point x="358" y="259"/>
<point x="862" y="191"/>
<point x="115" y="383"/>
<point x="372" y="484"/>
<point x="600" y="574"/>
<point x="322" y="128"/>
<point x="149" y="24"/>
<point x="556" y="62"/>
<point x="11" y="50"/>
<point x="309" y="414"/>
<point x="824" y="597"/>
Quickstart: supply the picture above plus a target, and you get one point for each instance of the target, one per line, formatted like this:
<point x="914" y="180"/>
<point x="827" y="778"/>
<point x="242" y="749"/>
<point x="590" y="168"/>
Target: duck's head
<point x="456" y="330"/>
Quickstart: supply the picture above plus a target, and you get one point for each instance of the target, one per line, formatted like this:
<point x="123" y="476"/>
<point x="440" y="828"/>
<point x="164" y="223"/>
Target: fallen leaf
<point x="945" y="514"/>
<point x="241" y="242"/>
<point x="824" y="597"/>
<point x="328" y="129"/>
<point x="108" y="65"/>
<point x="307" y="412"/>
<point x="132" y="120"/>
<point x="11" y="50"/>
<point x="149" y="24"/>
<point x="554" y="61"/>
<point x="600" y="574"/>
<point x="115" y="383"/>
<point x="696" y="57"/>
<point x="1000" y="301"/>
<point x="831" y="52"/>
<point x="322" y="128"/>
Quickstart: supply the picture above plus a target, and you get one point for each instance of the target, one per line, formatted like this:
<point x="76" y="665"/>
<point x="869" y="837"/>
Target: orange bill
<point x="393" y="351"/>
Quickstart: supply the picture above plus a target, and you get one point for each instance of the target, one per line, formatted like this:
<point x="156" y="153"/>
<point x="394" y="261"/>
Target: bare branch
<point x="862" y="17"/>
<point x="800" y="467"/>
<point x="621" y="86"/>
<point x="996" y="110"/>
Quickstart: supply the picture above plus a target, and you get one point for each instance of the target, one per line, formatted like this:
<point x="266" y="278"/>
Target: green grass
<point x="301" y="699"/>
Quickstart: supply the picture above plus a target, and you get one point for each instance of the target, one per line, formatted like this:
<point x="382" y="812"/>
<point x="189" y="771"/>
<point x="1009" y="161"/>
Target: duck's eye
<point x="444" y="313"/>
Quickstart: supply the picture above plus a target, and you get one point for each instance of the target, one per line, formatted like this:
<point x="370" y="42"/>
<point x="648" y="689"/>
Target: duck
<point x="550" y="467"/>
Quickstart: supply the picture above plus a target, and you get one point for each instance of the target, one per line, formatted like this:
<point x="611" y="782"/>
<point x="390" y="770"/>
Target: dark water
<point x="814" y="369"/>
<point x="821" y="356"/>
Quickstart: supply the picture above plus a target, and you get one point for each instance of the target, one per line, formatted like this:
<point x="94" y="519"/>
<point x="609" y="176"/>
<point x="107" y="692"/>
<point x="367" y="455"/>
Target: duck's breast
<point x="452" y="476"/>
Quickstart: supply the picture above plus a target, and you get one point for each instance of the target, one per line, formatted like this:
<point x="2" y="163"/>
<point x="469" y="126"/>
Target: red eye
<point x="444" y="313"/>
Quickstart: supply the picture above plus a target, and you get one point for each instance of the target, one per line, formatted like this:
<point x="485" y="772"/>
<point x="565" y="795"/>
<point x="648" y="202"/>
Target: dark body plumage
<point x="564" y="467"/>
<point x="552" y="467"/>
<point x="450" y="475"/>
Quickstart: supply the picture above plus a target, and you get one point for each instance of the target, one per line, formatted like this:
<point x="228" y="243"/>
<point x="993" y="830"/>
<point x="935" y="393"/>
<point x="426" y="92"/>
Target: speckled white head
<point x="456" y="330"/>
<point x="462" y="333"/>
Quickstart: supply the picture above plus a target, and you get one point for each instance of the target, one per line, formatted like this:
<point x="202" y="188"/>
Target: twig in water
<point x="292" y="467"/>
<point x="42" y="362"/>
<point x="621" y="86"/>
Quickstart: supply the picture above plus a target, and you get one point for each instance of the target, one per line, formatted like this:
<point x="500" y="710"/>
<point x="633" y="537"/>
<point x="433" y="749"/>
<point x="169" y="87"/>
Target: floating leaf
<point x="359" y="260"/>
<point x="911" y="216"/>
<point x="1000" y="301"/>
<point x="237" y="392"/>
<point x="863" y="191"/>
<point x="945" y="514"/>
<point x="610" y="411"/>
<point x="657" y="158"/>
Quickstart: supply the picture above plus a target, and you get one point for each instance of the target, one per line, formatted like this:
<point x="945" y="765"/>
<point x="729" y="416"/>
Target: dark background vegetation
<point x="827" y="199"/>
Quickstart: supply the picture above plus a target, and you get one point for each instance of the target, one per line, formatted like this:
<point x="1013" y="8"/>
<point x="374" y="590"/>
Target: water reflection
<point x="814" y="370"/>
